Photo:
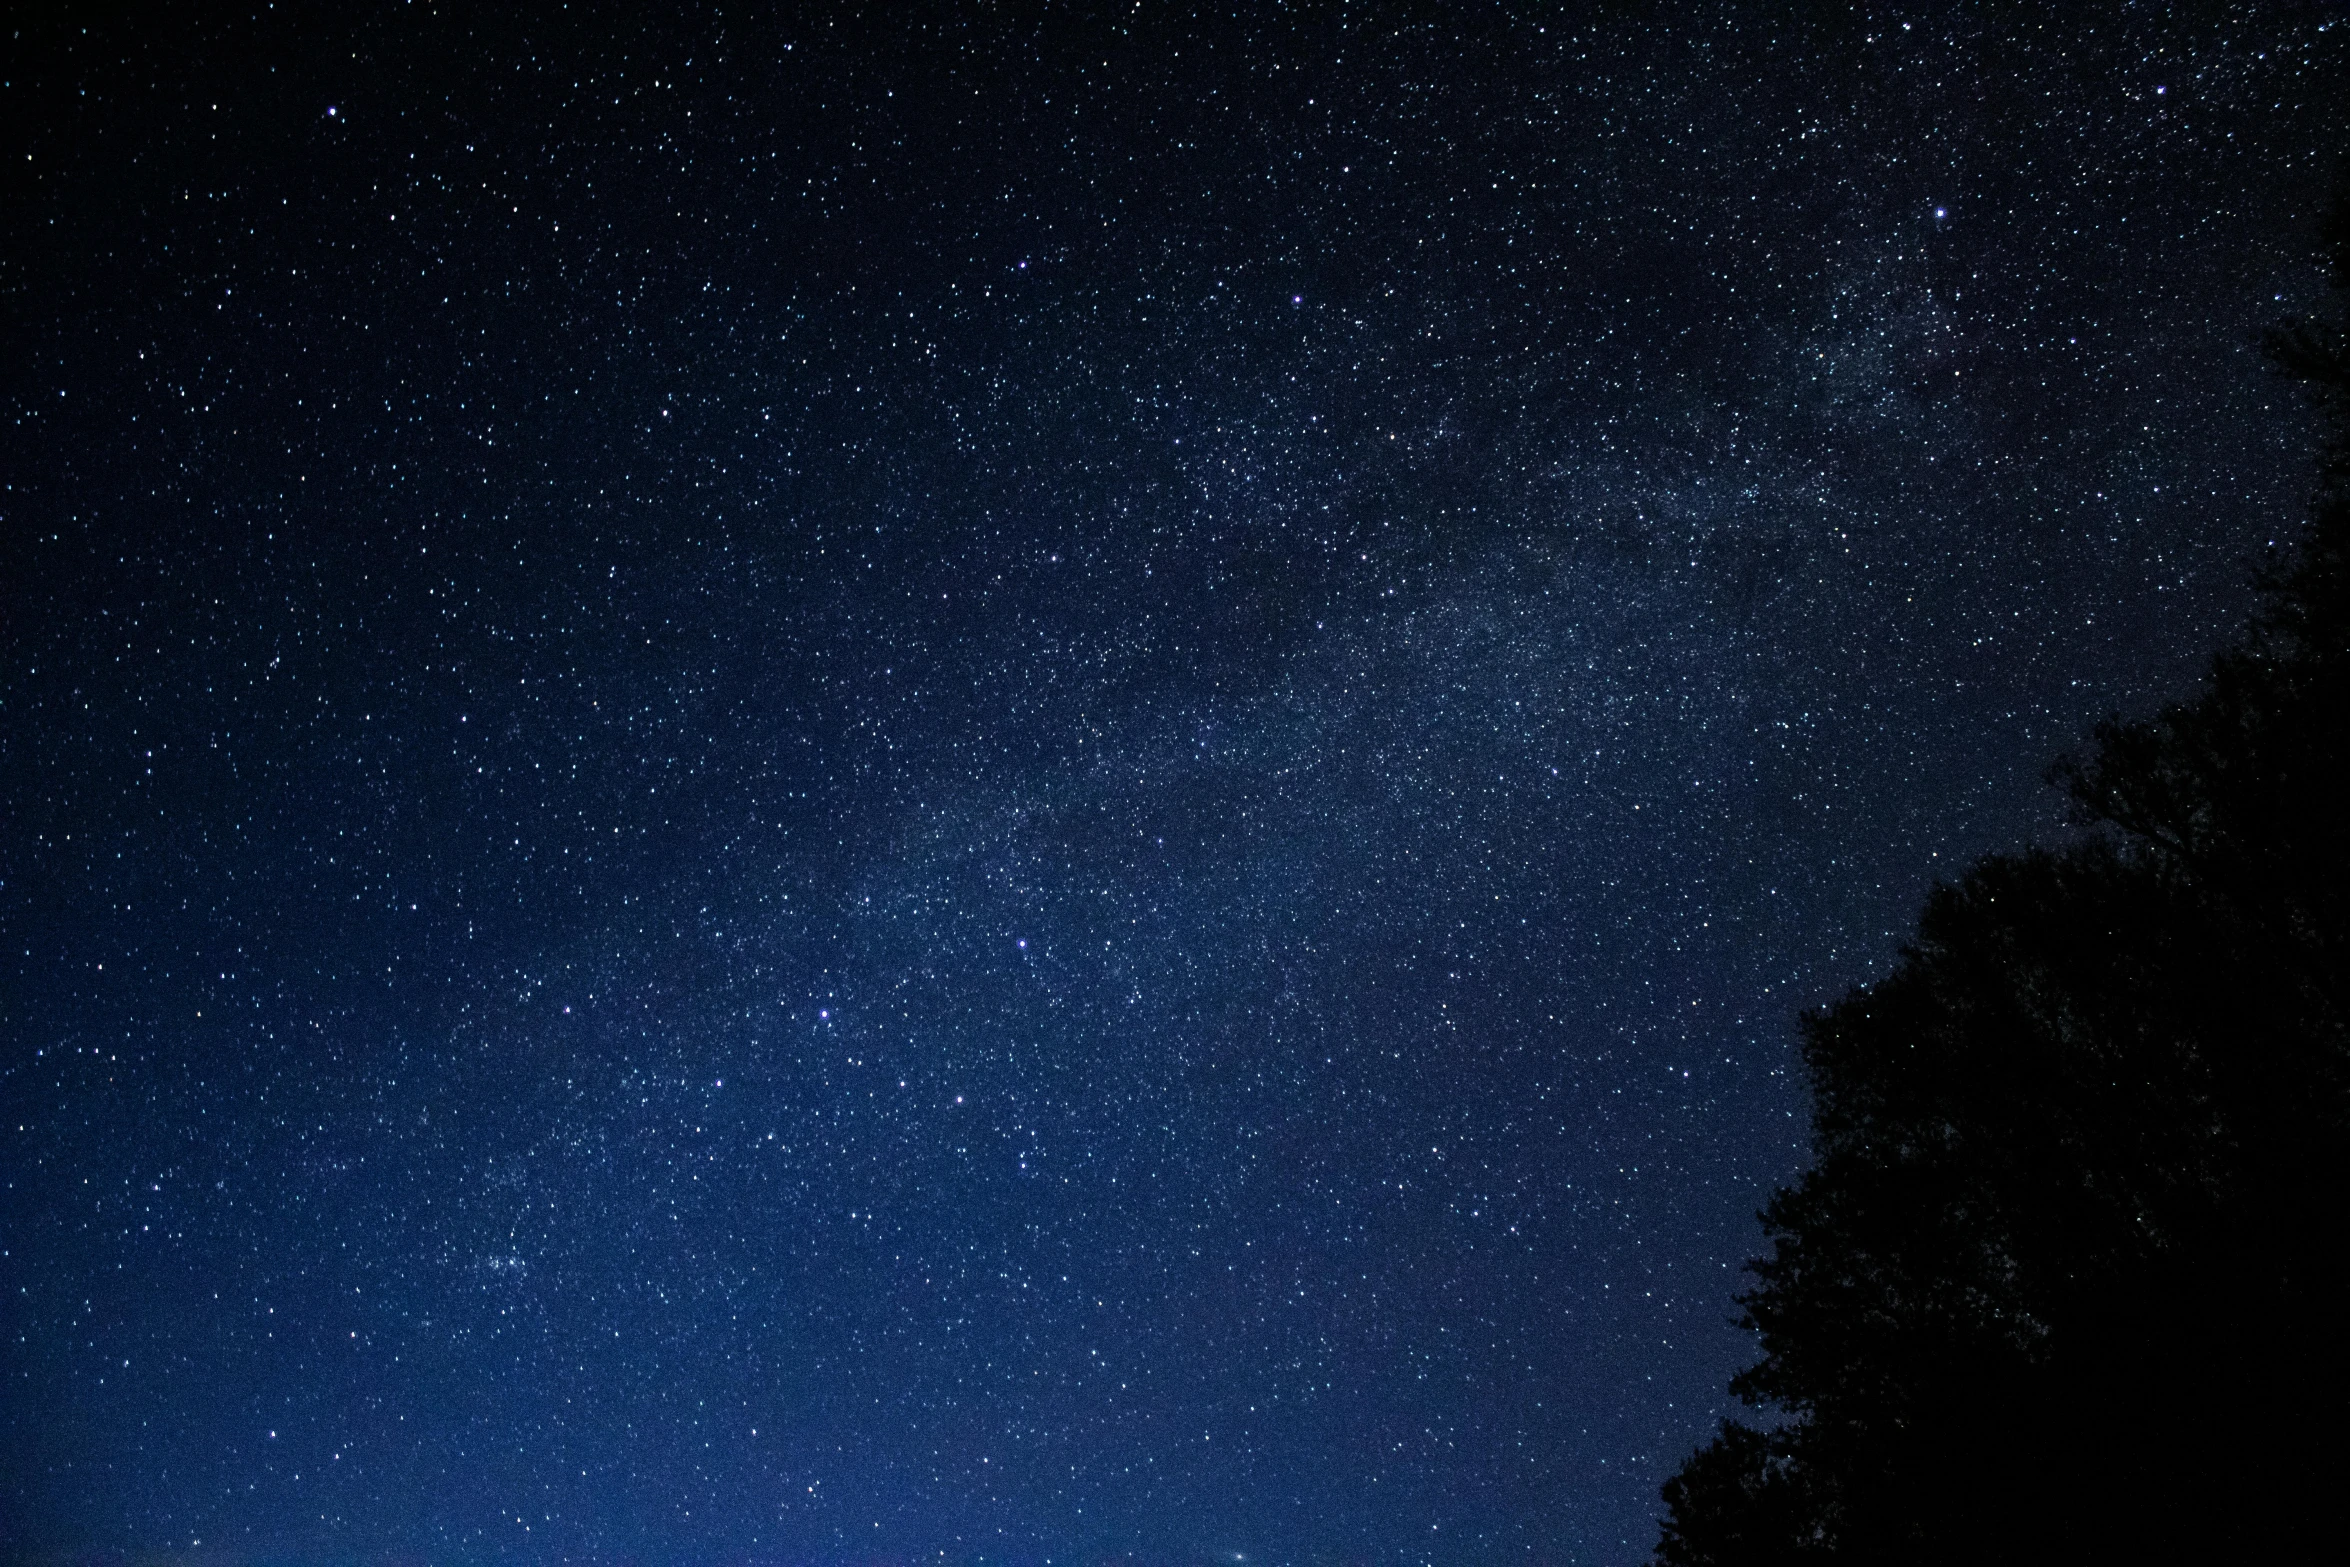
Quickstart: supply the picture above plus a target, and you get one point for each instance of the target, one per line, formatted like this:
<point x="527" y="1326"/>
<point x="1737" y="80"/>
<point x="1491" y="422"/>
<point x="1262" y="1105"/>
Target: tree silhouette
<point x="2066" y="1278"/>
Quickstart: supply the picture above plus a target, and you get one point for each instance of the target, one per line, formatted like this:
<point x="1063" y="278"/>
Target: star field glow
<point x="758" y="811"/>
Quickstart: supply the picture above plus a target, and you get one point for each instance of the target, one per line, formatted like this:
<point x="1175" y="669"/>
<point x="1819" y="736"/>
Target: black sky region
<point x="1035" y="783"/>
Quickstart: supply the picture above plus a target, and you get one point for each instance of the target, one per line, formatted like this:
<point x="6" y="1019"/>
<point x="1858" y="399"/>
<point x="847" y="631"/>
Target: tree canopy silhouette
<point x="2065" y="1279"/>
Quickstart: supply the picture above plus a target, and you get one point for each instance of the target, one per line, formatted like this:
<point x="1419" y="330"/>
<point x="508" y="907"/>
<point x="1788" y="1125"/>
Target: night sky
<point x="1034" y="783"/>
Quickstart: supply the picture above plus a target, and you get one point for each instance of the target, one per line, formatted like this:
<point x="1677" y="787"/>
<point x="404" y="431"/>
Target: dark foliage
<point x="2066" y="1279"/>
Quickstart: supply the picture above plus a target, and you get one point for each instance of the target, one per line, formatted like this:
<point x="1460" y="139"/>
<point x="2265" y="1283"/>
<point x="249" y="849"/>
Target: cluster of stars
<point x="934" y="793"/>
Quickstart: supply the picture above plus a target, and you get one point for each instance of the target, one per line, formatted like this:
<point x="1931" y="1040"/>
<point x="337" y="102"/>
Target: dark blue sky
<point x="1036" y="784"/>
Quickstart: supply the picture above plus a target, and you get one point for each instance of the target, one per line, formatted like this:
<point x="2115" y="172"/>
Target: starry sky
<point x="1035" y="784"/>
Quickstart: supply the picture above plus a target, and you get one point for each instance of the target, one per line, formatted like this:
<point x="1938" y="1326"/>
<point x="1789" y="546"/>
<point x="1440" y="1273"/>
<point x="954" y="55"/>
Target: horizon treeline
<point x="2065" y="1280"/>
